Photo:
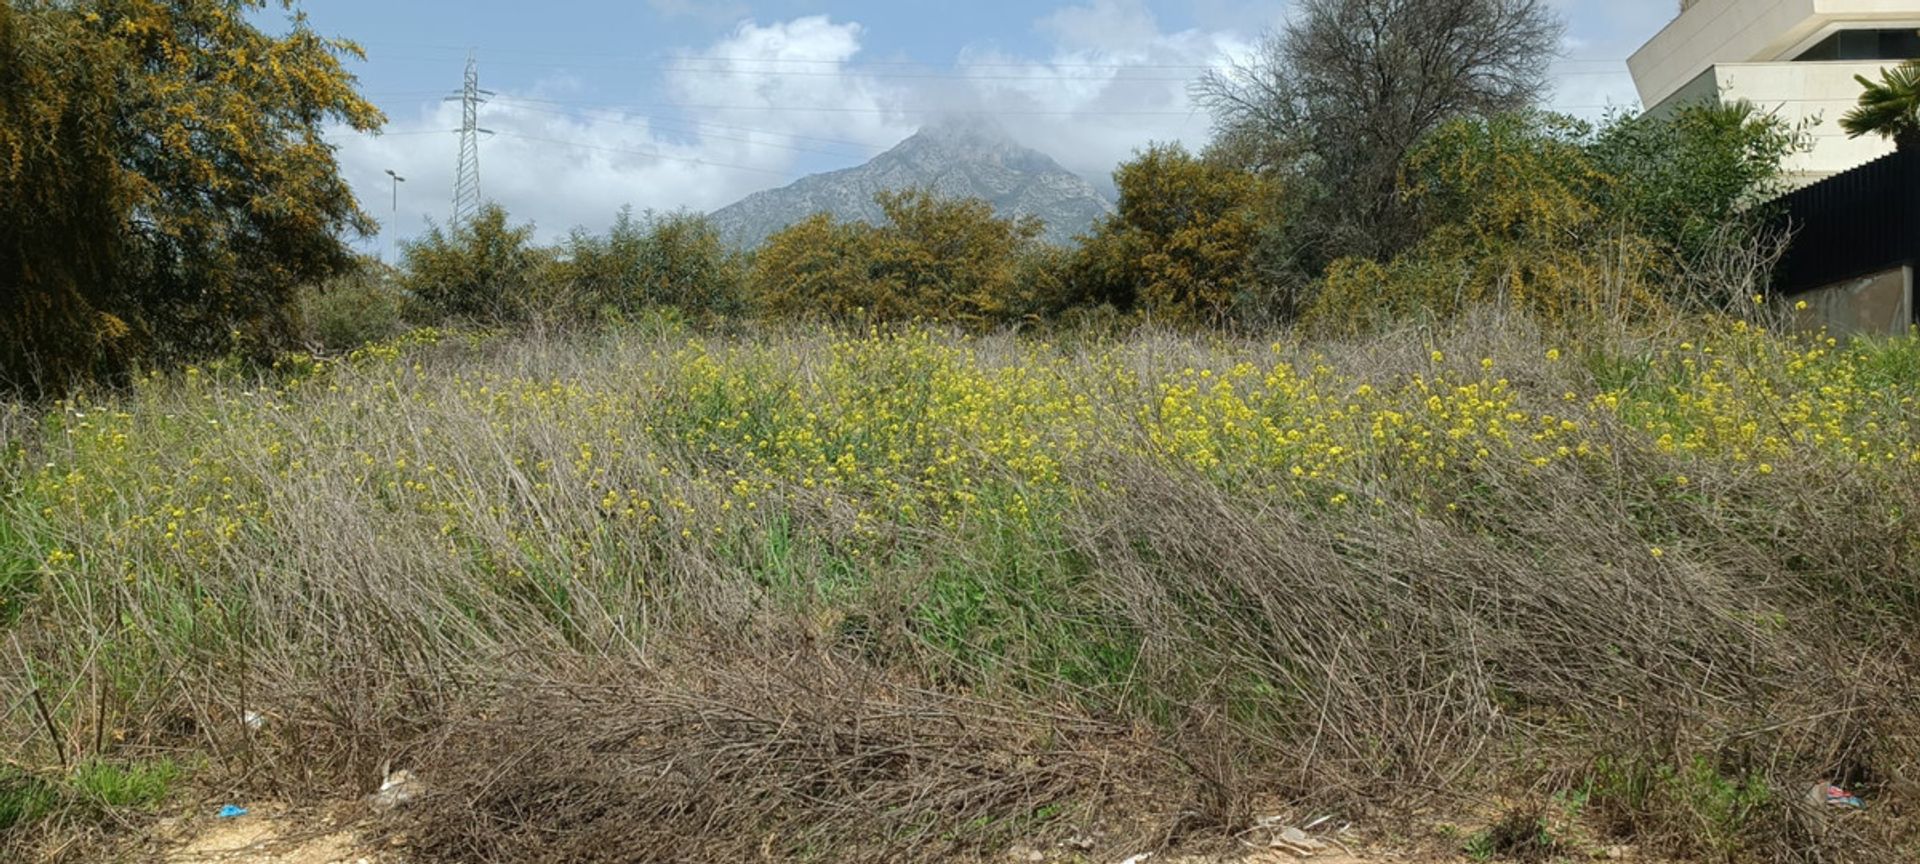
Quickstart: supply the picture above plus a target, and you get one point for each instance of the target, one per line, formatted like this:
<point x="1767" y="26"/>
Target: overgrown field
<point x="906" y="595"/>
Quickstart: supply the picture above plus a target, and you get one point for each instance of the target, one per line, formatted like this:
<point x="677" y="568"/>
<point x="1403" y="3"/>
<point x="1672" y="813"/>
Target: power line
<point x="400" y="94"/>
<point x="652" y="154"/>
<point x="657" y="124"/>
<point x="639" y="108"/>
<point x="680" y="58"/>
<point x="851" y="71"/>
<point x="679" y="61"/>
<point x="500" y="97"/>
<point x="726" y="58"/>
<point x="861" y="145"/>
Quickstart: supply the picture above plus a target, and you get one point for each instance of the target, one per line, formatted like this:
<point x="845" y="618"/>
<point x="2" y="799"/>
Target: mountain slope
<point x="952" y="159"/>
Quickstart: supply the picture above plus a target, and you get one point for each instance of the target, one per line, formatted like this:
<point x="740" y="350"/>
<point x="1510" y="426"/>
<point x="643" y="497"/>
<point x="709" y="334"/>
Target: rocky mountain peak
<point x="958" y="157"/>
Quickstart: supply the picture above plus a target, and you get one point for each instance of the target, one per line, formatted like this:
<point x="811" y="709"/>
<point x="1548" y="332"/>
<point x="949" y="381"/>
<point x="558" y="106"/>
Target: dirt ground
<point x="342" y="834"/>
<point x="269" y="835"/>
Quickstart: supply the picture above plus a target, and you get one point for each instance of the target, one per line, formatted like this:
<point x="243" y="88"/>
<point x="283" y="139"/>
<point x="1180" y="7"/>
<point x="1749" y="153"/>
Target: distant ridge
<point x="953" y="158"/>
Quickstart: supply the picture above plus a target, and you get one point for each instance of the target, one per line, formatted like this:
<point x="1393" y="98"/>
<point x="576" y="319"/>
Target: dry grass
<point x="765" y="760"/>
<point x="912" y="597"/>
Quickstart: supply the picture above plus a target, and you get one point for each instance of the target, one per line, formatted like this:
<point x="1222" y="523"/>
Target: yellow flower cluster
<point x="1758" y="399"/>
<point x="553" y="463"/>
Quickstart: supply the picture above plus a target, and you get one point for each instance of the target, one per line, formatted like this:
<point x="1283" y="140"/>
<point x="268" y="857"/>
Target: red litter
<point x="1834" y="796"/>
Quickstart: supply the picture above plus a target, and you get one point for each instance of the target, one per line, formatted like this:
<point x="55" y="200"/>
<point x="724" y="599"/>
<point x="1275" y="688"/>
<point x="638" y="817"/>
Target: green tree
<point x="686" y="265"/>
<point x="165" y="185"/>
<point x="1684" y="179"/>
<point x="1182" y="244"/>
<point x="676" y="260"/>
<point x="482" y="270"/>
<point x="1889" y="107"/>
<point x="1542" y="212"/>
<point x="604" y="271"/>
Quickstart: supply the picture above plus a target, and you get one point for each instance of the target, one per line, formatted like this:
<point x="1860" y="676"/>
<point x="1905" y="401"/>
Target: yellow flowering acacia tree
<point x="1183" y="243"/>
<point x="164" y="181"/>
<point x="935" y="258"/>
<point x="1511" y="215"/>
<point x="811" y="267"/>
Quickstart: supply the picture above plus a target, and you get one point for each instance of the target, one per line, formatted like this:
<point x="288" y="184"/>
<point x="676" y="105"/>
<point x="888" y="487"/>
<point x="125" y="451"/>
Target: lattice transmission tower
<point x="466" y="178"/>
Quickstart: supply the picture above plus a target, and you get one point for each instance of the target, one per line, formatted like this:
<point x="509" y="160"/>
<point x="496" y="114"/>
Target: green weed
<point x="125" y="785"/>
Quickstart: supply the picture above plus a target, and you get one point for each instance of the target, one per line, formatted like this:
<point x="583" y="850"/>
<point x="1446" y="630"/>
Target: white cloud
<point x="561" y="165"/>
<point x="794" y="79"/>
<point x="1114" y="82"/>
<point x="1103" y="25"/>
<point x="550" y="165"/>
<point x="1250" y="16"/>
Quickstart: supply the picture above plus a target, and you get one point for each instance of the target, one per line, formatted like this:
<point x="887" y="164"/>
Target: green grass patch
<point x="1717" y="809"/>
<point x="94" y="787"/>
<point x="1890" y="364"/>
<point x="140" y="785"/>
<point x="1014" y="603"/>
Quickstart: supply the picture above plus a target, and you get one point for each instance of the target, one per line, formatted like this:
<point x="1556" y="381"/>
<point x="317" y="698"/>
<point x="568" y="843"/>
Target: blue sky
<point x="667" y="104"/>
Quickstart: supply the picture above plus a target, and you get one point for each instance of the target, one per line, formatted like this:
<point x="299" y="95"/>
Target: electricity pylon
<point x="466" y="178"/>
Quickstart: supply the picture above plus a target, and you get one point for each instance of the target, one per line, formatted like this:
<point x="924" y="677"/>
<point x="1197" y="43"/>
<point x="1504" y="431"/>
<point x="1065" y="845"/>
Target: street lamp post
<point x="394" y="222"/>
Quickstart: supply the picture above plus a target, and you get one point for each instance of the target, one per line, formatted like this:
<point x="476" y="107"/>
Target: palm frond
<point x="1889" y="107"/>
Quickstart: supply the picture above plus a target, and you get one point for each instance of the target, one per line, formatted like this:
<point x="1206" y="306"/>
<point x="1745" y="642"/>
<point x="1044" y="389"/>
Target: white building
<point x="1794" y="57"/>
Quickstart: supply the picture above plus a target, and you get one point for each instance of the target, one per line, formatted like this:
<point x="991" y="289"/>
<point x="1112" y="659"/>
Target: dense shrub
<point x="1183" y="244"/>
<point x="1046" y="283"/>
<point x="1679" y="178"/>
<point x="1698" y="184"/>
<point x="482" y="270"/>
<point x="676" y="260"/>
<point x="1539" y="212"/>
<point x="1511" y="218"/>
<point x="353" y="310"/>
<point x="933" y="259"/>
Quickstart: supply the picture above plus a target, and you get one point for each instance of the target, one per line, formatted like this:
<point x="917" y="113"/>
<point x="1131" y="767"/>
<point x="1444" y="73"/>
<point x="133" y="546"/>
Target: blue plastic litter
<point x="230" y="811"/>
